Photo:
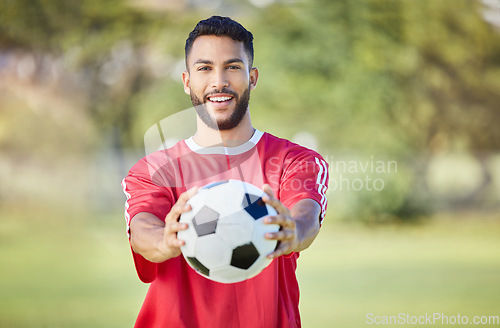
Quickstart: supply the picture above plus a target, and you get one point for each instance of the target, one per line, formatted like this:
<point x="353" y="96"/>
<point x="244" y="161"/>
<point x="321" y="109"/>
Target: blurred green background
<point x="401" y="97"/>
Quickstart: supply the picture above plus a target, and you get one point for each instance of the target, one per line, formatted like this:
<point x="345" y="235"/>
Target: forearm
<point x="146" y="237"/>
<point x="155" y="239"/>
<point x="306" y="215"/>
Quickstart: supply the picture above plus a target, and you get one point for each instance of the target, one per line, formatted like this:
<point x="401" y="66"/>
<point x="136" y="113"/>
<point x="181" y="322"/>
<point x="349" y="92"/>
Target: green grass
<point x="449" y="266"/>
<point x="76" y="271"/>
<point x="72" y="272"/>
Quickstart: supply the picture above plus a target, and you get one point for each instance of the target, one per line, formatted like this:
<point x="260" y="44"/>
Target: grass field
<point x="76" y="271"/>
<point x="449" y="266"/>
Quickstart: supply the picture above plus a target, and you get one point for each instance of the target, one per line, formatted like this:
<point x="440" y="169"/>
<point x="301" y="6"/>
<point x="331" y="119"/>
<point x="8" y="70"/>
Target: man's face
<point x="219" y="80"/>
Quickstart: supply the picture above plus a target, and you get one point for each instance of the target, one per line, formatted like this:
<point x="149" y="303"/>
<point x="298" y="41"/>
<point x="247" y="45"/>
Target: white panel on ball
<point x="263" y="245"/>
<point x="236" y="228"/>
<point x="190" y="238"/>
<point x="225" y="200"/>
<point x="228" y="274"/>
<point x="197" y="202"/>
<point x="213" y="252"/>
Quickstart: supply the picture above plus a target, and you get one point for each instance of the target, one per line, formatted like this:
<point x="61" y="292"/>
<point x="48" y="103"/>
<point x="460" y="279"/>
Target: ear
<point x="186" y="82"/>
<point x="254" y="76"/>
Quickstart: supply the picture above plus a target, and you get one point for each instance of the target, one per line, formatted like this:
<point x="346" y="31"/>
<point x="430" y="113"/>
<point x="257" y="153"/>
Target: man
<point x="219" y="77"/>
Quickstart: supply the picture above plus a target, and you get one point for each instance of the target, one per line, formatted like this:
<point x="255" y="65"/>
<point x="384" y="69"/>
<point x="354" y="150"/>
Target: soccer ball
<point x="225" y="240"/>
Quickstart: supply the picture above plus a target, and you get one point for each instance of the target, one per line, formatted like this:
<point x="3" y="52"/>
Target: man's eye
<point x="234" y="67"/>
<point x="203" y="68"/>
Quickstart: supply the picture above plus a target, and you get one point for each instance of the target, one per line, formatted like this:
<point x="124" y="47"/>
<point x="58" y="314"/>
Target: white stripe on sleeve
<point x="321" y="182"/>
<point x="127" y="216"/>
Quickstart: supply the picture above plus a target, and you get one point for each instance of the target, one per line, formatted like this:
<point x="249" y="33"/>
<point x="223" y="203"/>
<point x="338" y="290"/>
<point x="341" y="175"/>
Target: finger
<point x="268" y="190"/>
<point x="175" y="227"/>
<point x="171" y="230"/>
<point x="175" y="243"/>
<point x="271" y="199"/>
<point x="181" y="205"/>
<point x="191" y="192"/>
<point x="185" y="196"/>
<point x="282" y="249"/>
<point x="269" y="196"/>
<point x="176" y="211"/>
<point x="282" y="235"/>
<point x="281" y="220"/>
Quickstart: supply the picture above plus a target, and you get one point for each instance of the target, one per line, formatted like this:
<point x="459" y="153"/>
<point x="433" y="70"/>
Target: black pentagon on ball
<point x="244" y="256"/>
<point x="205" y="221"/>
<point x="255" y="206"/>
<point x="198" y="266"/>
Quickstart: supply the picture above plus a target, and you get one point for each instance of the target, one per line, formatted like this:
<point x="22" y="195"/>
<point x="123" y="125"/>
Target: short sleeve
<point x="144" y="195"/>
<point x="305" y="176"/>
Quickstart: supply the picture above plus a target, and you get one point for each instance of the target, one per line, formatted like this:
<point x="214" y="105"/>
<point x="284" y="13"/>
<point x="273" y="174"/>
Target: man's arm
<point x="299" y="225"/>
<point x="155" y="239"/>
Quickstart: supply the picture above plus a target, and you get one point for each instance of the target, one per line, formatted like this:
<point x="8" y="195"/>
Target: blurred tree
<point x="403" y="79"/>
<point x="102" y="46"/>
<point x="452" y="94"/>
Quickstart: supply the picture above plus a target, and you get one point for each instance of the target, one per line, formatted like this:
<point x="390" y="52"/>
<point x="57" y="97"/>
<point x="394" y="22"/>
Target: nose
<point x="219" y="80"/>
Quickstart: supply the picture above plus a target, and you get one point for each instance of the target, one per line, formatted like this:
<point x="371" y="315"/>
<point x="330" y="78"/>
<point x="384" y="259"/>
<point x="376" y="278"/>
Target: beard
<point x="233" y="120"/>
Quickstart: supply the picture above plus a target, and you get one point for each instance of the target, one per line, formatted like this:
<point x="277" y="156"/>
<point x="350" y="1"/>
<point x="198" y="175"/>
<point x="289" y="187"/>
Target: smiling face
<point x="219" y="78"/>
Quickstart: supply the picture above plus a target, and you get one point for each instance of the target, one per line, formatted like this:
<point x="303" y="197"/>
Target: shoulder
<point x="165" y="155"/>
<point x="179" y="149"/>
<point x="161" y="158"/>
<point x="288" y="148"/>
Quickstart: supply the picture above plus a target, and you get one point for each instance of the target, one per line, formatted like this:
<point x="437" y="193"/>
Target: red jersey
<point x="180" y="297"/>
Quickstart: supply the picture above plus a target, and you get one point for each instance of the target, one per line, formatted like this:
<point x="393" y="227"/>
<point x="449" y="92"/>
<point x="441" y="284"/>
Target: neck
<point x="207" y="137"/>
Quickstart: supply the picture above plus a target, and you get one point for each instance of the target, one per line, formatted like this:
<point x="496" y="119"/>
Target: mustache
<point x="223" y="90"/>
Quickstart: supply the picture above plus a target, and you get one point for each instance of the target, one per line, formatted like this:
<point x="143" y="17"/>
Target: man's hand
<point x="170" y="245"/>
<point x="299" y="226"/>
<point x="156" y="240"/>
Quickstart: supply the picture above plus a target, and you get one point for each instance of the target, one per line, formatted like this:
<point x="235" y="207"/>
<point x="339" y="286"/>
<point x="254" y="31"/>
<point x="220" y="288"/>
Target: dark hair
<point x="221" y="26"/>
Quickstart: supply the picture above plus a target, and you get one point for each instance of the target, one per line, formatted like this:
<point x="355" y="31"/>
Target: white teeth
<point x="219" y="99"/>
